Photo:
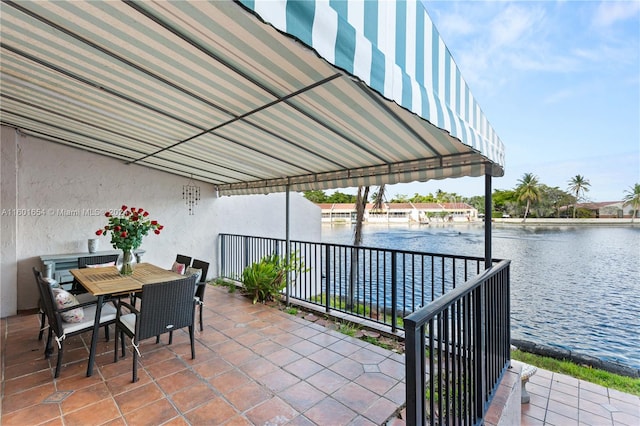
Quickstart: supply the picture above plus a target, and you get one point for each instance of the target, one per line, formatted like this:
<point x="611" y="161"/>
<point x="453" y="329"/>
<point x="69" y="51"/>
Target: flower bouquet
<point x="127" y="229"/>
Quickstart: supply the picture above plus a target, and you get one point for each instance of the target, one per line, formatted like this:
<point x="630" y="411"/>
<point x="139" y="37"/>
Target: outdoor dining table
<point x="107" y="281"/>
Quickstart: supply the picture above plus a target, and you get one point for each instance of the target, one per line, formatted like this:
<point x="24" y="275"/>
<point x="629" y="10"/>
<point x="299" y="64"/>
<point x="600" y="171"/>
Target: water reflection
<point x="573" y="287"/>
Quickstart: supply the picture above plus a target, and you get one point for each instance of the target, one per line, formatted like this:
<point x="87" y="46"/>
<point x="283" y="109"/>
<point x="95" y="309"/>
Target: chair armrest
<point x="127" y="305"/>
<point x="79" y="305"/>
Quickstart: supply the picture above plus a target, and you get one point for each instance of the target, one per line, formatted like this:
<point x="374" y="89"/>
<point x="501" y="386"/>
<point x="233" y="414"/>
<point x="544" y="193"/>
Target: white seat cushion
<point x="108" y="313"/>
<point x="129" y="321"/>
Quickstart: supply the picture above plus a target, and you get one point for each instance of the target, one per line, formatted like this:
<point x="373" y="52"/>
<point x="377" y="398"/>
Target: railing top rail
<point x="379" y="249"/>
<point x="421" y="316"/>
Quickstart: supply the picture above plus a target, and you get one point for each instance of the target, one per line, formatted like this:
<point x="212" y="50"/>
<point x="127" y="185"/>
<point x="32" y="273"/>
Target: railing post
<point x="414" y="369"/>
<point x="394" y="292"/>
<point x="327" y="275"/>
<point x="223" y="250"/>
<point x="245" y="259"/>
<point x="479" y="350"/>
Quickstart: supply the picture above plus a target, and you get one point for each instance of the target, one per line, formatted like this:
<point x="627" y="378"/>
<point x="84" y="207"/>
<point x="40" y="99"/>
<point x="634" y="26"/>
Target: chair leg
<point x="42" y="318"/>
<point x="201" y="329"/>
<point x="59" y="363"/>
<point x="192" y="338"/>
<point x="48" y="350"/>
<point x="170" y="337"/>
<point x="135" y="366"/>
<point x="115" y="345"/>
<point x="106" y="332"/>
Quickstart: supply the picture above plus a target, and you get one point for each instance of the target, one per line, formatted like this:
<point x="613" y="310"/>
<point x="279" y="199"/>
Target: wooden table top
<point x="107" y="280"/>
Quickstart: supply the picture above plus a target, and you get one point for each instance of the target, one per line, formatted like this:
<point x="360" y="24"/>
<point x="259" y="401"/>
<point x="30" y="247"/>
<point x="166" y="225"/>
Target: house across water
<point x="425" y="213"/>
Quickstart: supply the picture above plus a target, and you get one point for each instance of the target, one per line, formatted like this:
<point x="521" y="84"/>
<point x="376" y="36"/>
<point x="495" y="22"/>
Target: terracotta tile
<point x="326" y="339"/>
<point x="306" y="347"/>
<point x="348" y="368"/>
<point x="177" y="421"/>
<point x="272" y="411"/>
<point x="248" y="396"/>
<point x="303" y="368"/>
<point x="564" y="388"/>
<point x="355" y="397"/>
<point x="27" y="382"/>
<point x="214" y="412"/>
<point x="266" y="347"/>
<point x="305" y="332"/>
<point x="530" y="421"/>
<point x="191" y="397"/>
<point x="283" y="357"/>
<point x="258" y="367"/>
<point x="29" y="367"/>
<point x="553" y="418"/>
<point x="380" y="411"/>
<point x="362" y="421"/>
<point x="238" y="421"/>
<point x="621" y="418"/>
<point x="32" y="415"/>
<point x="392" y="368"/>
<point x="155" y="413"/>
<point x="85" y="396"/>
<point x="27" y="398"/>
<point x="344" y="347"/>
<point x="330" y="412"/>
<point x="594" y="419"/>
<point x="564" y="398"/>
<point x="178" y="381"/>
<point x="226" y="382"/>
<point x="598" y="398"/>
<point x="325" y="357"/>
<point x="397" y="394"/>
<point x="278" y="380"/>
<point x="138" y="397"/>
<point x="302" y="396"/>
<point x="112" y="369"/>
<point x="367" y="356"/>
<point x="239" y="357"/>
<point x="533" y="411"/>
<point x="563" y="408"/>
<point x="165" y="368"/>
<point x="124" y="383"/>
<point x="105" y="410"/>
<point x="327" y="381"/>
<point x="212" y="368"/>
<point x="592" y="387"/>
<point x="250" y="338"/>
<point x="594" y="408"/>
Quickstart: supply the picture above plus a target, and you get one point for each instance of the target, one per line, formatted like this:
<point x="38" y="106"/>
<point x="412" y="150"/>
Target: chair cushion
<point x="129" y="321"/>
<point x="194" y="271"/>
<point x="108" y="313"/>
<point x="102" y="265"/>
<point x="64" y="299"/>
<point x="178" y="268"/>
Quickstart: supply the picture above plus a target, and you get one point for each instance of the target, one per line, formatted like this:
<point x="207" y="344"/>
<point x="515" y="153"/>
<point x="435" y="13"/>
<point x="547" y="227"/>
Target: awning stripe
<point x="394" y="44"/>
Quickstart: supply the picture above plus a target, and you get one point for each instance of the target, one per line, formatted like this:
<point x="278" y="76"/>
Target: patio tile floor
<point x="254" y="365"/>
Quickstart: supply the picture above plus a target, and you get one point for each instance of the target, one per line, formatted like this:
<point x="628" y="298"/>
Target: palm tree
<point x="578" y="185"/>
<point x="528" y="190"/>
<point x="632" y="198"/>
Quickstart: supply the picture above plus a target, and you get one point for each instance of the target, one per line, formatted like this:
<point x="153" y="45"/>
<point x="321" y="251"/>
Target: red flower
<point x="106" y="228"/>
<point x="123" y="208"/>
<point x="160" y="227"/>
<point x="140" y="210"/>
<point x="127" y="213"/>
<point x="133" y="209"/>
<point x="156" y="231"/>
<point x="134" y="218"/>
<point x="117" y="228"/>
<point x="123" y="235"/>
<point x="99" y="232"/>
<point x="154" y="222"/>
<point x="107" y="214"/>
<point x="145" y="214"/>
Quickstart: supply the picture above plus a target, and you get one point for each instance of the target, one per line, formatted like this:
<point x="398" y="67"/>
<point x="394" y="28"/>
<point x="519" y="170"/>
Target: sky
<point x="559" y="81"/>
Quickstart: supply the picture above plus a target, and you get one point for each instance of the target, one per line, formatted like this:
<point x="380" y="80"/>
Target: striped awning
<point x="252" y="96"/>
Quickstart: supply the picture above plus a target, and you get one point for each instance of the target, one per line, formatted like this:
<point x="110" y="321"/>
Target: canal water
<point x="572" y="287"/>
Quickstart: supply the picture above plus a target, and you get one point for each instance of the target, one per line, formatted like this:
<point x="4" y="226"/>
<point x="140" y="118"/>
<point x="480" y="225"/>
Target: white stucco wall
<point x="65" y="191"/>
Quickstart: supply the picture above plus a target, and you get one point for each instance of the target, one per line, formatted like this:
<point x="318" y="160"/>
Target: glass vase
<point x="126" y="262"/>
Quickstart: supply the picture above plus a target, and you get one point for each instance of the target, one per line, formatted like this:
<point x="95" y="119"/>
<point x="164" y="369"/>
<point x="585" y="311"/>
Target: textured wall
<point x="62" y="194"/>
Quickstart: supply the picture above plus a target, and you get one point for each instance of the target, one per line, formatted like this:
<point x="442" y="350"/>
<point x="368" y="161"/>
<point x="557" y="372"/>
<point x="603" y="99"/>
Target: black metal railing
<point x="457" y="350"/>
<point x="382" y="285"/>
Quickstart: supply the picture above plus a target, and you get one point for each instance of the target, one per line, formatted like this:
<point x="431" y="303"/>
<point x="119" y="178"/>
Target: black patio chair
<point x="164" y="307"/>
<point x="83" y="262"/>
<point x="201" y="286"/>
<point x="59" y="329"/>
<point x="185" y="260"/>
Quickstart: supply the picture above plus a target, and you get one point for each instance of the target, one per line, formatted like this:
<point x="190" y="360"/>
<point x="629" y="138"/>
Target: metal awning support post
<point x="287" y="243"/>
<point x="487" y="218"/>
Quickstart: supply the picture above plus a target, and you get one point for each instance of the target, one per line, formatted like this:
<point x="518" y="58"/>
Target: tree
<point x="578" y="185"/>
<point x="528" y="191"/>
<point x="632" y="198"/>
<point x="341" y="198"/>
<point x="316" y="196"/>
